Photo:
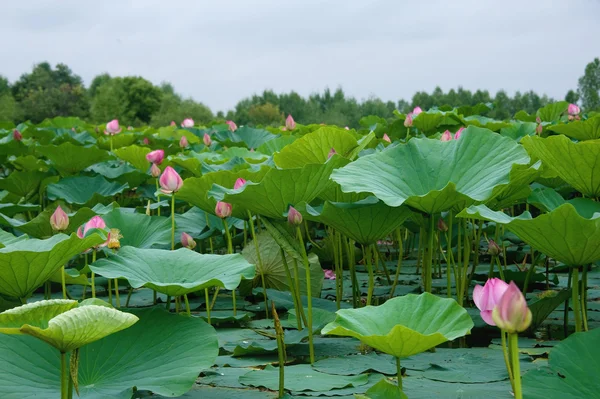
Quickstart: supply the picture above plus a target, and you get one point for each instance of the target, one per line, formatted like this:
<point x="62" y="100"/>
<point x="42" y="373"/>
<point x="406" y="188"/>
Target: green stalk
<point x="575" y="299"/>
<point x="280" y="350"/>
<point x="260" y="264"/>
<point x="379" y="256"/>
<point x="399" y="369"/>
<point x="230" y="251"/>
<point x="157" y="197"/>
<point x="187" y="305"/>
<point x="566" y="309"/>
<point x="367" y="256"/>
<point x="507" y="359"/>
<point x="351" y="267"/>
<point x="111" y="143"/>
<point x="63" y="282"/>
<point x="428" y="259"/>
<point x="309" y="326"/>
<point x="336" y="265"/>
<point x="110" y="291"/>
<point x="450" y="258"/>
<point x="210" y="241"/>
<point x="117" y="300"/>
<point x="172" y="221"/>
<point x="64" y="376"/>
<point x="93" y="274"/>
<point x="513" y="344"/>
<point x="130" y="291"/>
<point x="399" y="264"/>
<point x="295" y="296"/>
<point x="207" y="300"/>
<point x="583" y="296"/>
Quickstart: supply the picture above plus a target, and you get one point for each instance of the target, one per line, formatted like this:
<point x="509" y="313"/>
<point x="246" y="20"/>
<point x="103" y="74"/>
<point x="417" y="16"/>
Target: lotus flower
<point x="487" y="297"/>
<point x="408" y="122"/>
<point x="294" y="217"/>
<point x="441" y="225"/>
<point x="538" y="119"/>
<point x="239" y="183"/>
<point x="155" y="170"/>
<point x="511" y="313"/>
<point x="539" y="129"/>
<point x="289" y="123"/>
<point x="332" y="152"/>
<point x="156" y="156"/>
<point x="206" y="140"/>
<point x="493" y="248"/>
<point x="223" y="209"/>
<point x="187" y="122"/>
<point x="447" y="136"/>
<point x="573" y="110"/>
<point x="232" y="125"/>
<point x="94" y="223"/>
<point x="170" y="181"/>
<point x="347" y="128"/>
<point x="187" y="241"/>
<point x="146" y="141"/>
<point x="17" y="136"/>
<point x="173" y="123"/>
<point x="112" y="127"/>
<point x="386" y="138"/>
<point x="458" y="133"/>
<point x="417" y="111"/>
<point x="59" y="220"/>
<point x="129" y="127"/>
<point x="329" y="274"/>
<point x="183" y="142"/>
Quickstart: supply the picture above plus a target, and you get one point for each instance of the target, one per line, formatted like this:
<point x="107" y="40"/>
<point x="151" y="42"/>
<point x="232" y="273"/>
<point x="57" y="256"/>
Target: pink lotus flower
<point x="332" y="152"/>
<point x="408" y="122"/>
<point x="441" y="225"/>
<point x="17" y="136"/>
<point x="59" y="220"/>
<point x="511" y="313"/>
<point x="447" y="136"/>
<point x="573" y="110"/>
<point x="487" y="297"/>
<point x="183" y="142"/>
<point x="146" y="141"/>
<point x="223" y="209"/>
<point x="386" y="138"/>
<point x="294" y="217"/>
<point x="417" y="111"/>
<point x="155" y="171"/>
<point x="329" y="274"/>
<point x="232" y="125"/>
<point x="290" y="124"/>
<point x="94" y="223"/>
<point x="458" y="133"/>
<point x="239" y="183"/>
<point x="155" y="156"/>
<point x="206" y="140"/>
<point x="112" y="127"/>
<point x="170" y="181"/>
<point x="187" y="241"/>
<point x="187" y="122"/>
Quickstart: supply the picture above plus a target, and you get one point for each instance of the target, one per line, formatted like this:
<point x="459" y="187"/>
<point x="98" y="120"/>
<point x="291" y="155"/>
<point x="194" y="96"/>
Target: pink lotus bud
<point x="232" y="125"/>
<point x="129" y="127"/>
<point x="17" y="136"/>
<point x="289" y="123"/>
<point x="80" y="232"/>
<point x="458" y="133"/>
<point x="441" y="225"/>
<point x="538" y="119"/>
<point x="156" y="156"/>
<point x="447" y="136"/>
<point x="187" y="241"/>
<point x="170" y="181"/>
<point x="59" y="220"/>
<point x="332" y="152"/>
<point x="146" y="141"/>
<point x="294" y="217"/>
<point x="386" y="138"/>
<point x="511" y="313"/>
<point x="539" y="128"/>
<point x="417" y="111"/>
<point x="408" y="122"/>
<point x="206" y="139"/>
<point x="94" y="223"/>
<point x="112" y="127"/>
<point x="487" y="297"/>
<point x="329" y="274"/>
<point x="573" y="110"/>
<point x="347" y="128"/>
<point x="239" y="183"/>
<point x="155" y="170"/>
<point x="223" y="209"/>
<point x="187" y="122"/>
<point x="284" y="129"/>
<point x="493" y="248"/>
<point x="173" y="123"/>
<point x="183" y="142"/>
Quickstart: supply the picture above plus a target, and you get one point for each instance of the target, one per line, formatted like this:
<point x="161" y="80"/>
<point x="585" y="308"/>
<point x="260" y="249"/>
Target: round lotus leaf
<point x="38" y="313"/>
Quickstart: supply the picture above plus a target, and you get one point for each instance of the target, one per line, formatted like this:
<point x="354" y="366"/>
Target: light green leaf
<point x="135" y="155"/>
<point x="579" y="130"/>
<point x="85" y="190"/>
<point x="139" y="230"/>
<point x="70" y="159"/>
<point x="38" y="313"/>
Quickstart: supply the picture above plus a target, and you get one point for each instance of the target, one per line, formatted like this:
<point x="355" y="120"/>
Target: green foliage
<point x="589" y="86"/>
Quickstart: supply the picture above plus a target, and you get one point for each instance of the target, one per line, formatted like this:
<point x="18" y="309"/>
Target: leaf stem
<point x="507" y="359"/>
<point x="172" y="221"/>
<point x="230" y="251"/>
<point x="311" y="347"/>
<point x="64" y="376"/>
<point x="513" y="344"/>
<point x="260" y="264"/>
<point x="399" y="369"/>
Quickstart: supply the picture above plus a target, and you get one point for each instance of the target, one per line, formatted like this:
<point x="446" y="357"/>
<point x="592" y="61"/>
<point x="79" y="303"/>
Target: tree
<point x="572" y="97"/>
<point x="589" y="86"/>
<point x="265" y="114"/>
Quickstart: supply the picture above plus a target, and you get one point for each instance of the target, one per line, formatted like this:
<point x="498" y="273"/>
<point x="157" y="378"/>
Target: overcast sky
<point x="219" y="52"/>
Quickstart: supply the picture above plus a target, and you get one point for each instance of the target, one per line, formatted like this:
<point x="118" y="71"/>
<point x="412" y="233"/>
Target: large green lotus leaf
<point x="6" y="238"/>
<point x="29" y="163"/>
<point x="121" y="140"/>
<point x="365" y="221"/>
<point x="177" y="347"/>
<point x="22" y="184"/>
<point x="384" y="389"/>
<point x="70" y="159"/>
<point x="12" y="209"/>
<point x="563" y="234"/>
<point x="544" y="304"/>
<point x="140" y="230"/>
<point x="580" y="130"/>
<point x="27" y="264"/>
<point x="404" y="326"/>
<point x="517" y="188"/>
<point x="575" y="163"/>
<point x="315" y="147"/>
<point x="545" y="198"/>
<point x="135" y="155"/>
<point x="279" y="188"/>
<point x="36" y="313"/>
<point x="247" y="135"/>
<point x="553" y="111"/>
<point x="195" y="189"/>
<point x="483" y="121"/>
<point x="121" y="172"/>
<point x="85" y="190"/>
<point x="240" y="152"/>
<point x="275" y="145"/>
<point x="517" y="131"/>
<point x="434" y="176"/>
<point x="174" y="273"/>
<point x="427" y="122"/>
<point x="572" y="372"/>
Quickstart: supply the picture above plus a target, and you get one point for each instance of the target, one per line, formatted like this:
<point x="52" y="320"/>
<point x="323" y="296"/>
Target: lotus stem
<point x="245" y="234"/>
<point x="260" y="264"/>
<point x="450" y="258"/>
<point x="64" y="376"/>
<point x="429" y="257"/>
<point x="351" y="266"/>
<point x="93" y="274"/>
<point x="109" y="291"/>
<point x="420" y="251"/>
<point x="399" y="369"/>
<point x="575" y="299"/>
<point x="172" y="221"/>
<point x="157" y="198"/>
<point x="300" y="317"/>
<point x="117" y="300"/>
<point x="309" y="326"/>
<point x="513" y="344"/>
<point x="111" y="143"/>
<point x="378" y="257"/>
<point x="130" y="291"/>
<point x="336" y="265"/>
<point x="187" y="305"/>
<point x="168" y="306"/>
<point x="566" y="309"/>
<point x="230" y="251"/>
<point x="370" y="289"/>
<point x="583" y="296"/>
<point x="210" y="241"/>
<point x="63" y="282"/>
<point x="207" y="300"/>
<point x="399" y="264"/>
<point x="507" y="359"/>
<point x="280" y="350"/>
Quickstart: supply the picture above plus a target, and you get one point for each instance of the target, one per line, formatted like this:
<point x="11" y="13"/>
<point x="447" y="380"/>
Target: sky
<point x="219" y="52"/>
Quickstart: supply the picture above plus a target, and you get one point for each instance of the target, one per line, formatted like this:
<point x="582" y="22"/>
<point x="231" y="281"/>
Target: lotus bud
<point x="386" y="138"/>
<point x="538" y="119"/>
<point x="94" y="223"/>
<point x="284" y="129"/>
<point x="232" y="125"/>
<point x="441" y="225"/>
<point x="187" y="241"/>
<point x="294" y="217"/>
<point x="183" y="142"/>
<point x="332" y="152"/>
<point x="156" y="156"/>
<point x="223" y="209"/>
<point x="493" y="248"/>
<point x="329" y="274"/>
<point x="17" y="136"/>
<point x="112" y="127"/>
<point x="511" y="313"/>
<point x="447" y="136"/>
<point x="539" y="128"/>
<point x="129" y="127"/>
<point x="417" y="111"/>
<point x="146" y="141"/>
<point x="187" y="122"/>
<point x="155" y="170"/>
<point x="487" y="297"/>
<point x="573" y="109"/>
<point x="80" y="232"/>
<point x="206" y="140"/>
<point x="173" y="123"/>
<point x="59" y="220"/>
<point x="114" y="237"/>
<point x="289" y="123"/>
<point x="458" y="133"/>
<point x="148" y="212"/>
<point x="239" y="183"/>
<point x="170" y="181"/>
<point x="347" y="128"/>
<point x="408" y="122"/>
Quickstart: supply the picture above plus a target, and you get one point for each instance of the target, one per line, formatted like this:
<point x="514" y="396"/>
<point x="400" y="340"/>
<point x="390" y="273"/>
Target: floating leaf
<point x="85" y="190"/>
<point x="70" y="159"/>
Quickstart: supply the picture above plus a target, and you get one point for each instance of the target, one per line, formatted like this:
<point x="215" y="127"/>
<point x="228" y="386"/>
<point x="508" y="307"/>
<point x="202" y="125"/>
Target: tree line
<point x="48" y="92"/>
